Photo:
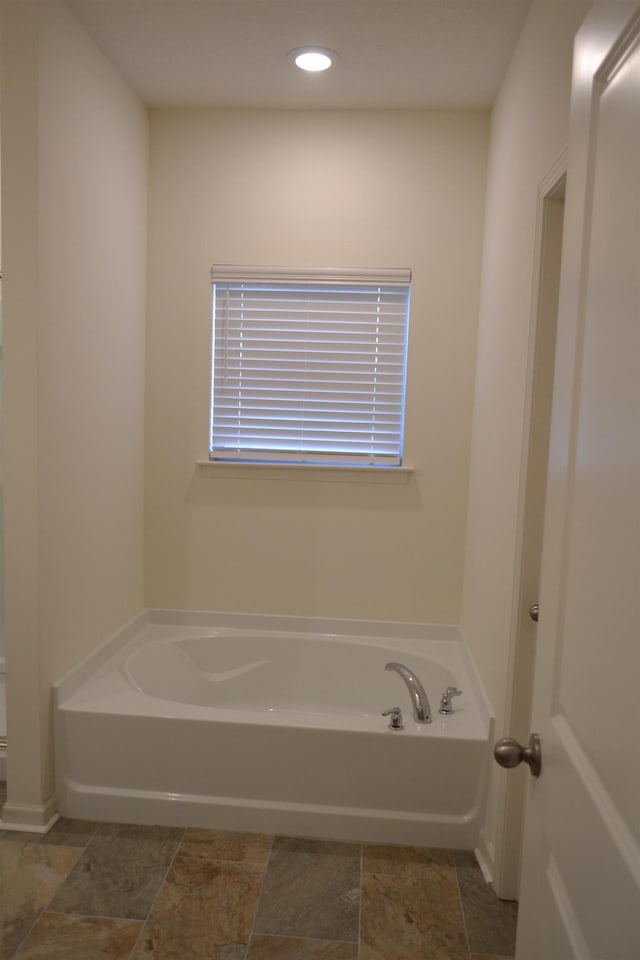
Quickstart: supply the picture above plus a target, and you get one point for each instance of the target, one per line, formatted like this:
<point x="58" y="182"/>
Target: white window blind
<point x="309" y="365"/>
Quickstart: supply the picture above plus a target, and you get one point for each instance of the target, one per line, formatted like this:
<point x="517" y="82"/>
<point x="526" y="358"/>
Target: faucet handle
<point x="396" y="718"/>
<point x="445" y="700"/>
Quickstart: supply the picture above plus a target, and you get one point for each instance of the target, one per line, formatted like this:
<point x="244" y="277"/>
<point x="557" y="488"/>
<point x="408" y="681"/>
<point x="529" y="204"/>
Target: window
<point x="309" y="365"/>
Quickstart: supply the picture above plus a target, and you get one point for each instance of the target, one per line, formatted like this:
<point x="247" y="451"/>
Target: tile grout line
<point x="30" y="930"/>
<point x="360" y="901"/>
<point x="92" y="916"/>
<point x="259" y="897"/>
<point x="289" y="936"/>
<point x="153" y="902"/>
<point x="460" y="901"/>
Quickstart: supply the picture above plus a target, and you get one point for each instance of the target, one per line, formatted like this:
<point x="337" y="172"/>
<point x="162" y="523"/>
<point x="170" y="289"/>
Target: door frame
<point x="511" y="800"/>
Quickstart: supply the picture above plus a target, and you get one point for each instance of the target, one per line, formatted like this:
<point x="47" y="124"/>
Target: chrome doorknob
<point x="509" y="753"/>
<point x="534" y="612"/>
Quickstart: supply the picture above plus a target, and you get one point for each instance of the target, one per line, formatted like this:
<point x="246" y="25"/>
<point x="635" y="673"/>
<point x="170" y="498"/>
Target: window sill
<point x="227" y="470"/>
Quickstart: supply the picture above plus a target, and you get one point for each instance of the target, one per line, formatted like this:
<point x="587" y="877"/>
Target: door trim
<point x="506" y="859"/>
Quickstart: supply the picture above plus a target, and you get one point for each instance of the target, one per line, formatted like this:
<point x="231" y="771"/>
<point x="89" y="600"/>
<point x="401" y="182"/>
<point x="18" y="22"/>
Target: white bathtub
<point x="274" y="724"/>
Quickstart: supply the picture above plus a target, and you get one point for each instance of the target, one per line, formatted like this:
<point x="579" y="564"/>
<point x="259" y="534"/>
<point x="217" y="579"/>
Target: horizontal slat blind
<point x="310" y="368"/>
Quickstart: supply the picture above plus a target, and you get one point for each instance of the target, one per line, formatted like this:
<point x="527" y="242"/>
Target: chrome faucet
<point x="419" y="700"/>
<point x="396" y="718"/>
<point x="445" y="700"/>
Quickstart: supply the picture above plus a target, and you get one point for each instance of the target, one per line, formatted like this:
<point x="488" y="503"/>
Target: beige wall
<point x="329" y="188"/>
<point x="529" y="130"/>
<point x="74" y="232"/>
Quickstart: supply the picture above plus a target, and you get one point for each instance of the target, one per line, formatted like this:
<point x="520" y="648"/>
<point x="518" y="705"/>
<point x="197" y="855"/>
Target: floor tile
<point x="92" y="891"/>
<point x="30" y="873"/>
<point x="311" y="889"/>
<point x="119" y="873"/>
<point x="221" y="845"/>
<point x="204" y="911"/>
<point x="490" y="922"/>
<point x="59" y="936"/>
<point x="465" y="858"/>
<point x="295" y="948"/>
<point x="411" y="918"/>
<point x="404" y="861"/>
<point x="132" y="841"/>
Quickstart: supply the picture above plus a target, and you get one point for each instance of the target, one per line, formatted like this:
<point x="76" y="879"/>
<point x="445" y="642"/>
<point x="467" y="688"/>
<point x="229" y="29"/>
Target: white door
<point x="580" y="894"/>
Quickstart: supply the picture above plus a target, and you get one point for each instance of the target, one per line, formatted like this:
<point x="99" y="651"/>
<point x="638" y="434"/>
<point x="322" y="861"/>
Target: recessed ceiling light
<point x="313" y="59"/>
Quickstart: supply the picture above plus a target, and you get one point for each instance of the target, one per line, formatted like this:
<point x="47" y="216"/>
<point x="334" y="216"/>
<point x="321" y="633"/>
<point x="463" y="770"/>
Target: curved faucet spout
<point x="419" y="699"/>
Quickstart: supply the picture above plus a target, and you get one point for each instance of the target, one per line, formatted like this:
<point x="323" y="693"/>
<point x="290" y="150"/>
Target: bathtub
<point x="274" y="725"/>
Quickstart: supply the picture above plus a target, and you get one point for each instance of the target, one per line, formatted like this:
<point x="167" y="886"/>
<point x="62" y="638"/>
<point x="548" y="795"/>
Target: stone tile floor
<point x="102" y="891"/>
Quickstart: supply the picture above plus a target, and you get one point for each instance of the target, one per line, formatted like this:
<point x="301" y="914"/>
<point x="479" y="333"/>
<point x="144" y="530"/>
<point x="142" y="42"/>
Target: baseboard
<point x="486" y="856"/>
<point x="30" y="818"/>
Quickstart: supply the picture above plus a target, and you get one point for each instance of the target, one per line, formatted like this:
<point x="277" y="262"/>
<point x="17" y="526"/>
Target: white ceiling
<point x="393" y="53"/>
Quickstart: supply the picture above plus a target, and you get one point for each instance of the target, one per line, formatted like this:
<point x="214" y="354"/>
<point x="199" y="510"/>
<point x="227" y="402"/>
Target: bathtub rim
<point x="126" y="636"/>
